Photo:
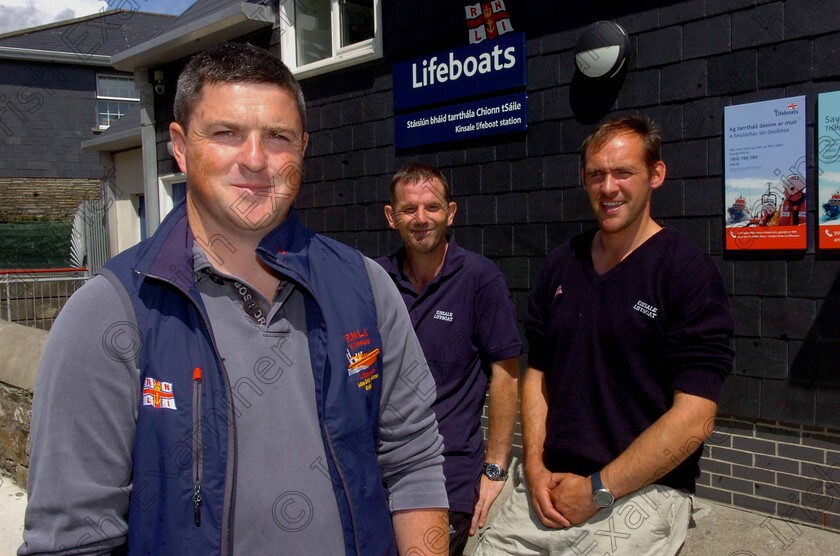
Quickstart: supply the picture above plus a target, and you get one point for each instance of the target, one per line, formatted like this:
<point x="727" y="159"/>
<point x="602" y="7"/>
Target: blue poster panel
<point x="764" y="182"/>
<point x="492" y="116"/>
<point x="828" y="170"/>
<point x="469" y="71"/>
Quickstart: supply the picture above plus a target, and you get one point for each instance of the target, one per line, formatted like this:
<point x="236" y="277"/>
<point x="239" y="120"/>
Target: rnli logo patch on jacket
<point x="158" y="394"/>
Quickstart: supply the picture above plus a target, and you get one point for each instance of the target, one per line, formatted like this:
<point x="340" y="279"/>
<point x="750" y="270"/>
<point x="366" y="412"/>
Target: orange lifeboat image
<point x="361" y="361"/>
<point x="738" y="212"/>
<point x="832" y="207"/>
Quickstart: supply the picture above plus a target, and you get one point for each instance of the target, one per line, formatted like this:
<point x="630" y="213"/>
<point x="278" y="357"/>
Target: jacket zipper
<point x="344" y="486"/>
<point x="230" y="482"/>
<point x="197" y="445"/>
<point x="323" y="424"/>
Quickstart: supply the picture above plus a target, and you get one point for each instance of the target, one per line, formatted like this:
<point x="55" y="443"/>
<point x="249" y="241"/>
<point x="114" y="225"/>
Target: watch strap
<point x="596" y="482"/>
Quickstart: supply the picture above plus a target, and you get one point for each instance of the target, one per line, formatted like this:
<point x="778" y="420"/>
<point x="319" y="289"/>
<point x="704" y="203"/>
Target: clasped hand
<point x="561" y="499"/>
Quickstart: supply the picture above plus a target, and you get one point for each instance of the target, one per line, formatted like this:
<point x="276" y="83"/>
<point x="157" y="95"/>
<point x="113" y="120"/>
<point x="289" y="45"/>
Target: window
<point x="325" y="35"/>
<point x="115" y="95"/>
<point x="172" y="189"/>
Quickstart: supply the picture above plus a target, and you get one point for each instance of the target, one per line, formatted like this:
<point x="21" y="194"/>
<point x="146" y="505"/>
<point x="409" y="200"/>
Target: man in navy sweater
<point x="630" y="330"/>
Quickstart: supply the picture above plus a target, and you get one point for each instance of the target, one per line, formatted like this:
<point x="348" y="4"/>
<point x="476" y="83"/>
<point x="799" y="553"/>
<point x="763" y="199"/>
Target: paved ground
<point x="12" y="506"/>
<point x="720" y="531"/>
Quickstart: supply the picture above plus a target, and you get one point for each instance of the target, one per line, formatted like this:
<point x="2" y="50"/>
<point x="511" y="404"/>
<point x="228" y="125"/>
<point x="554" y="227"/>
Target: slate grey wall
<point x="519" y="196"/>
<point x="46" y="111"/>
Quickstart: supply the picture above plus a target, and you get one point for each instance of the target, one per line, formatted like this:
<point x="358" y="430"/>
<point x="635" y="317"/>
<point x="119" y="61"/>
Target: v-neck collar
<point x="585" y="253"/>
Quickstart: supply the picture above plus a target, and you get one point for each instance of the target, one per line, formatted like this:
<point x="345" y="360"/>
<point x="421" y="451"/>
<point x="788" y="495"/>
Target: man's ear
<point x="453" y="208"/>
<point x="178" y="136"/>
<point x="390" y="217"/>
<point x="305" y="143"/>
<point x="657" y="174"/>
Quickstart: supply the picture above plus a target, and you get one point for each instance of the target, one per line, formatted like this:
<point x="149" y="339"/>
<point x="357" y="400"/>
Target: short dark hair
<point x="416" y="172"/>
<point x="232" y="62"/>
<point x="641" y="126"/>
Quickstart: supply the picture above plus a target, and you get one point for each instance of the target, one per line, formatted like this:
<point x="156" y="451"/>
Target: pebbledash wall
<point x="777" y="444"/>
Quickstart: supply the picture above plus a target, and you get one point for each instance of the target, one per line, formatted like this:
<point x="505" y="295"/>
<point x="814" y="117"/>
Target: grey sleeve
<point x="84" y="412"/>
<point x="410" y="449"/>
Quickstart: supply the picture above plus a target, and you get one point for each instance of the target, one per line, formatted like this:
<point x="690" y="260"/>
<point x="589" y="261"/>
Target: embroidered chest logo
<point x="558" y="291"/>
<point x="645" y="309"/>
<point x="444" y="315"/>
<point x="360" y="358"/>
<point x="158" y="394"/>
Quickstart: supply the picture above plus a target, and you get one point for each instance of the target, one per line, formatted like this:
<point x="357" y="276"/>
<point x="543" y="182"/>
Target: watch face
<point x="492" y="471"/>
<point x="604" y="498"/>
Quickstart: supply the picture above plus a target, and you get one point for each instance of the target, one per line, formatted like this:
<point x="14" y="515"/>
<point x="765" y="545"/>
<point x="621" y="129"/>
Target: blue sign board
<point x="464" y="72"/>
<point x="492" y="116"/>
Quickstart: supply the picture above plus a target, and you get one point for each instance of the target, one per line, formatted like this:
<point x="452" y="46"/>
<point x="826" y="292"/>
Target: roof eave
<point x="113" y="142"/>
<point x="52" y="56"/>
<point x="229" y="23"/>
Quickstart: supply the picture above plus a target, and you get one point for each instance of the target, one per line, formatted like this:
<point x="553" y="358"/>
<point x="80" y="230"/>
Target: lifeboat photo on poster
<point x="764" y="182"/>
<point x="828" y="170"/>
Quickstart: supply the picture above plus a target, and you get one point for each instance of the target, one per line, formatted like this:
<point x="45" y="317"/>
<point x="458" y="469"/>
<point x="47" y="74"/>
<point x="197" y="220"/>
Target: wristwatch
<point x="494" y="472"/>
<point x="601" y="494"/>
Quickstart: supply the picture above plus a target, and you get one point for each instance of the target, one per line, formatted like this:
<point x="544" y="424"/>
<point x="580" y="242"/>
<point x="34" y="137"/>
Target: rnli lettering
<point x="357" y="338"/>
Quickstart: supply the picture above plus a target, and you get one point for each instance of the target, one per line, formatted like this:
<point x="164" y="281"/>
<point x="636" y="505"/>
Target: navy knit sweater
<point x="615" y="347"/>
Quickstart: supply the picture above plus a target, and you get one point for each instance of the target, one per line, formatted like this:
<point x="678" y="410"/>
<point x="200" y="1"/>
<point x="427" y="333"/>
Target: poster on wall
<point x="764" y="181"/>
<point x="828" y="170"/>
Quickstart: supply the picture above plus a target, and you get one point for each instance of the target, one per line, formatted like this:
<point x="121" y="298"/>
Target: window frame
<point x="342" y="57"/>
<point x="104" y="98"/>
<point x="165" y="183"/>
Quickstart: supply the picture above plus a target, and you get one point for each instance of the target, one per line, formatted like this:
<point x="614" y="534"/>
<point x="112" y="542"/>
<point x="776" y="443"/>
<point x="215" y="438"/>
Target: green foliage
<point x="29" y="245"/>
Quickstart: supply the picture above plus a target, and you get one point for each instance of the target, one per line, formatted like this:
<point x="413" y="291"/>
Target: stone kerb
<point x="20" y="351"/>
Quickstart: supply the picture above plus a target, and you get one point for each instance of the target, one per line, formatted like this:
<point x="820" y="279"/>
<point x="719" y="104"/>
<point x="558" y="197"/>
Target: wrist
<point x="533" y="467"/>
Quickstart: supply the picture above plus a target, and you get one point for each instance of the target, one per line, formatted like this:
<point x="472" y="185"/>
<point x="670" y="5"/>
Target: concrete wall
<point x="124" y="231"/>
<point x="20" y="352"/>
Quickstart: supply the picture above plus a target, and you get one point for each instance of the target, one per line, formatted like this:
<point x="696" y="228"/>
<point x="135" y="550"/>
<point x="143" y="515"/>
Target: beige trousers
<point x="652" y="521"/>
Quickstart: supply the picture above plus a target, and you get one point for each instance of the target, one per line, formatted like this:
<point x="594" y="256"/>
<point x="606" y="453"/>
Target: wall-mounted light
<point x="602" y="50"/>
<point x="159" y="87"/>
